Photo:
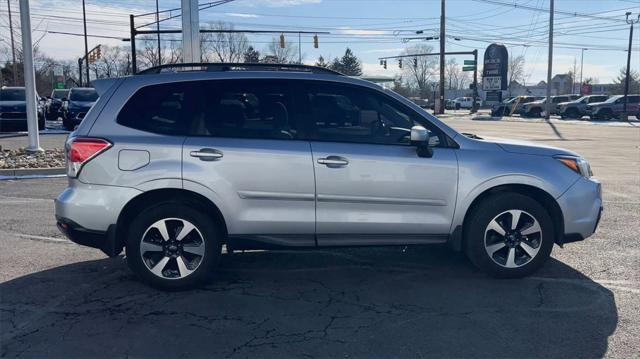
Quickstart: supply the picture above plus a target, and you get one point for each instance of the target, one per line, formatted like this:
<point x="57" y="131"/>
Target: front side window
<point x="343" y="113"/>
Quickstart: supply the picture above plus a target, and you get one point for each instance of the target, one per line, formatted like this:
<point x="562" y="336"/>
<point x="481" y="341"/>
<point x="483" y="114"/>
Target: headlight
<point x="577" y="164"/>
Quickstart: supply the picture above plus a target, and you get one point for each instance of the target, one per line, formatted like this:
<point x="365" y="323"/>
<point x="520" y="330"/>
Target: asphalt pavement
<point x="60" y="300"/>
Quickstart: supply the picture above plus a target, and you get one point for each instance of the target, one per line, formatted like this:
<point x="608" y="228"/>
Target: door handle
<point x="333" y="161"/>
<point x="207" y="154"/>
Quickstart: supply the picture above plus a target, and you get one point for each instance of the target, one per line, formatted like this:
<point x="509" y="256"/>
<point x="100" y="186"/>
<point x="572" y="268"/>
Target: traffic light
<point x="385" y="64"/>
<point x="315" y="41"/>
<point x="399" y="63"/>
<point x="98" y="53"/>
<point x="282" y="41"/>
<point x="415" y="62"/>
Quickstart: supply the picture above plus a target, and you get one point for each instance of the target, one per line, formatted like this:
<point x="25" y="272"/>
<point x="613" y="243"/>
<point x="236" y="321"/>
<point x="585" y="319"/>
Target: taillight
<point x="81" y="150"/>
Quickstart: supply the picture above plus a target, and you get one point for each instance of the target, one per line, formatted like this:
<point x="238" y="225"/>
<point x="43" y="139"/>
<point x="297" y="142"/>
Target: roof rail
<point x="232" y="66"/>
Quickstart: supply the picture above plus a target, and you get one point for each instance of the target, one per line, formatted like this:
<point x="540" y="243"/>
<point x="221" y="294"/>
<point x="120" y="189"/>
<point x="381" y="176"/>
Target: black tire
<point x="211" y="237"/>
<point x="534" y="112"/>
<point x="605" y="114"/>
<point x="573" y="113"/>
<point x="485" y="212"/>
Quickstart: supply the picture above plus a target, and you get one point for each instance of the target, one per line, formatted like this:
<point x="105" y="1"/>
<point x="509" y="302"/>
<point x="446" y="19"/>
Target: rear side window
<point x="167" y="109"/>
<point x="246" y="109"/>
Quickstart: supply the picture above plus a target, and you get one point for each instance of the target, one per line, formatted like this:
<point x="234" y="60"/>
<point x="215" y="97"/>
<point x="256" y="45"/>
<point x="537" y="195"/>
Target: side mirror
<point x="420" y="139"/>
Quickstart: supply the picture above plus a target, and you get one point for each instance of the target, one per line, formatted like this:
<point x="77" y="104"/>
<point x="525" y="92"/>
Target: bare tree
<point x="282" y="55"/>
<point x="223" y="46"/>
<point x="420" y="70"/>
<point x="516" y="71"/>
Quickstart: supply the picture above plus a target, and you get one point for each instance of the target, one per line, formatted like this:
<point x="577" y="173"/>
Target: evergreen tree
<point x="349" y="64"/>
<point x="321" y="62"/>
<point x="634" y="82"/>
<point x="252" y="55"/>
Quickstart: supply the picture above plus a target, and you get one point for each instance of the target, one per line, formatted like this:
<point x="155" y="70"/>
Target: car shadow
<point x="359" y="302"/>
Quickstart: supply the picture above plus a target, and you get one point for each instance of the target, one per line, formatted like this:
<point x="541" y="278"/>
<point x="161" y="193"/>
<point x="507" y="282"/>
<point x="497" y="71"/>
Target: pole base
<point x="33" y="150"/>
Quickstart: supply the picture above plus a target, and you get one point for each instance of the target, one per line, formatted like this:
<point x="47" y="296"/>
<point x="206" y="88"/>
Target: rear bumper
<point x="103" y="240"/>
<point x="582" y="208"/>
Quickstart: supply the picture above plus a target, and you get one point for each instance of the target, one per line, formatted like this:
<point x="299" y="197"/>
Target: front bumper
<point x="582" y="208"/>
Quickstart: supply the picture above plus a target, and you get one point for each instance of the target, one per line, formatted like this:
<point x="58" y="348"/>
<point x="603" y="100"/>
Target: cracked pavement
<point x="60" y="300"/>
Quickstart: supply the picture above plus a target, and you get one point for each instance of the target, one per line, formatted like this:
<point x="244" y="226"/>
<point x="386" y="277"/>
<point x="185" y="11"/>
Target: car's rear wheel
<point x="573" y="113"/>
<point x="509" y="235"/>
<point x="605" y="114"/>
<point x="173" y="246"/>
<point x="534" y="112"/>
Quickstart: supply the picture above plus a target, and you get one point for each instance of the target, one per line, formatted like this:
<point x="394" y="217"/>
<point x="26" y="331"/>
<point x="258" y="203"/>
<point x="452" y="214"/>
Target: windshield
<point x="60" y="94"/>
<point x="614" y="98"/>
<point x="12" y="95"/>
<point x="89" y="95"/>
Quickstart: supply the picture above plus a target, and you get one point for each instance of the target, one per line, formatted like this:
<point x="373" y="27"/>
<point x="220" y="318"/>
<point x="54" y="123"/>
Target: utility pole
<point x="550" y="65"/>
<point x="299" y="49"/>
<point x="441" y="99"/>
<point x="626" y="81"/>
<point x="474" y="108"/>
<point x="86" y="46"/>
<point x="581" y="63"/>
<point x="29" y="78"/>
<point x="13" y="47"/>
<point x="190" y="31"/>
<point x="132" y="28"/>
<point x="158" y="28"/>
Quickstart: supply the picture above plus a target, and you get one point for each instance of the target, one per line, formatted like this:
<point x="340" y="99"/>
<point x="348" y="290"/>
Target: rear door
<point x="244" y="152"/>
<point x="371" y="186"/>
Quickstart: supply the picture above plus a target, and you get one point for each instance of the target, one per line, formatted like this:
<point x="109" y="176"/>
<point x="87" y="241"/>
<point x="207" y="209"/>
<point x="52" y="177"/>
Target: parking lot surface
<point x="58" y="299"/>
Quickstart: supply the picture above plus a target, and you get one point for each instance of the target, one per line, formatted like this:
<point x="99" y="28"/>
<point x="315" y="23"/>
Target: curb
<point x="30" y="172"/>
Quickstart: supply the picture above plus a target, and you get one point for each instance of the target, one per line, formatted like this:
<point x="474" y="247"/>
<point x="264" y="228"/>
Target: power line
<point x="576" y="14"/>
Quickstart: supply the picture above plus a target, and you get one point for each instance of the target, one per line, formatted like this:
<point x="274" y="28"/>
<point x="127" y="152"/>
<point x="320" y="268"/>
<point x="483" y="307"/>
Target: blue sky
<point x="375" y="28"/>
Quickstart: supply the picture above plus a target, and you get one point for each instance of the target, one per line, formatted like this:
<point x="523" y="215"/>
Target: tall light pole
<point x="158" y="29"/>
<point x="29" y="78"/>
<point x="13" y="46"/>
<point x="442" y="39"/>
<point x="581" y="63"/>
<point x="550" y="64"/>
<point x="626" y="81"/>
<point x="86" y="46"/>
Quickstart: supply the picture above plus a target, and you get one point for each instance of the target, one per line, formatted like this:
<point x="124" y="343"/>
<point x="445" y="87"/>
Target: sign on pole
<point x="468" y="68"/>
<point x="496" y="64"/>
<point x="469" y="62"/>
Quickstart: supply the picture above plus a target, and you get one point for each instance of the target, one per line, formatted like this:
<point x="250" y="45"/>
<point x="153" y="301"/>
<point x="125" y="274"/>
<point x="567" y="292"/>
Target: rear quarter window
<point x="166" y="109"/>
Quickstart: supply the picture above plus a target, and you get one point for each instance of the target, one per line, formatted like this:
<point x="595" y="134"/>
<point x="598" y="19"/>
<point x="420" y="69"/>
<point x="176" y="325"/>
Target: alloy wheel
<point x="172" y="248"/>
<point x="513" y="238"/>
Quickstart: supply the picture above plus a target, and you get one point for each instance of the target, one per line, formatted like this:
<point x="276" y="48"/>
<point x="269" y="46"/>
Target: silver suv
<point x="178" y="161"/>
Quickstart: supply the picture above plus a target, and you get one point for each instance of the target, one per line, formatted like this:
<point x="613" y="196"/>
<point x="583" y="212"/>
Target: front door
<point x="371" y="186"/>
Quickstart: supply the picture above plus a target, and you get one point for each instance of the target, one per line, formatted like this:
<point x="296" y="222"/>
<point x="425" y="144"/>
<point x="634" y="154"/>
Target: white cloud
<point x="240" y="14"/>
<point x="384" y="51"/>
<point x="349" y="31"/>
<point x="279" y="3"/>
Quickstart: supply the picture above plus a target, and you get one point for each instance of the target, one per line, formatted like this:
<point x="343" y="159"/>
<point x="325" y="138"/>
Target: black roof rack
<point x="229" y="66"/>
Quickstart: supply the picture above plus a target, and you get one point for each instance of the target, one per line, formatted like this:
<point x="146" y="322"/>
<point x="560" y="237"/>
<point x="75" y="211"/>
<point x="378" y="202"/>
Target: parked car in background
<point x="511" y="106"/>
<point x="173" y="165"/>
<point x="53" y="106"/>
<point x="613" y="107"/>
<point x="466" y="102"/>
<point x="13" y="110"/>
<point x="536" y="108"/>
<point x="80" y="101"/>
<point x="422" y="102"/>
<point x="576" y="109"/>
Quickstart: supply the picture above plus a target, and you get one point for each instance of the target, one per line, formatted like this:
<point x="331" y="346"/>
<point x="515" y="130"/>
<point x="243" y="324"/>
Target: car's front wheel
<point x="509" y="235"/>
<point x="173" y="246"/>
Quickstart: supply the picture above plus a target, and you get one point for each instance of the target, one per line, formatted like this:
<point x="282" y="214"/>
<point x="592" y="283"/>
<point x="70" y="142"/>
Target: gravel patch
<point x="18" y="158"/>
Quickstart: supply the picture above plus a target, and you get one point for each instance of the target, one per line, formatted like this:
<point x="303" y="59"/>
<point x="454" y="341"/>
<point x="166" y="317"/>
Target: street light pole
<point x="550" y="64"/>
<point x="158" y="29"/>
<point x="13" y="46"/>
<point x="86" y="46"/>
<point x="29" y="79"/>
<point x="581" y="63"/>
<point x="442" y="39"/>
<point x="626" y="81"/>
